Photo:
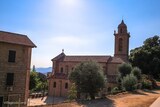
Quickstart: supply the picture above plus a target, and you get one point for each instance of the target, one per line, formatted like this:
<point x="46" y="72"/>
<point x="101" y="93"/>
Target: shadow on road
<point x="98" y="103"/>
<point x="54" y="100"/>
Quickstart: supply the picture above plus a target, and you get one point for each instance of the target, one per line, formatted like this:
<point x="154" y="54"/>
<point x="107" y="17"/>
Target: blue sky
<point x="80" y="27"/>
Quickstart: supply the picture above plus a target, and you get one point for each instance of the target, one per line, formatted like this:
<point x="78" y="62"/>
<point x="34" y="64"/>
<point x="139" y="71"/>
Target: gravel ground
<point x="134" y="99"/>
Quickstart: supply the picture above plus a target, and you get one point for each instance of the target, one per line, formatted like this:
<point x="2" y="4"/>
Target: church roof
<point x="63" y="57"/>
<point x="116" y="60"/>
<point x="87" y="58"/>
<point x="14" y="38"/>
<point x="82" y="58"/>
<point x="122" y="24"/>
<point x="60" y="56"/>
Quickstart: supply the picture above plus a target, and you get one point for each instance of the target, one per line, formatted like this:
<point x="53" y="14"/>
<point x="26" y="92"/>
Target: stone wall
<point x="20" y="68"/>
<point x="60" y="89"/>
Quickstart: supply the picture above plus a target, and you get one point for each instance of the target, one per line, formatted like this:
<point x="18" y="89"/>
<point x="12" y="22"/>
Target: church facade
<point x="63" y="64"/>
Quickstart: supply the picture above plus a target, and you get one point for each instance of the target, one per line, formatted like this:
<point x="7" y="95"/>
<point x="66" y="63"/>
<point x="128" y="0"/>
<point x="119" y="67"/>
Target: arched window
<point x="66" y="85"/>
<point x="54" y="84"/>
<point x="120" y="44"/>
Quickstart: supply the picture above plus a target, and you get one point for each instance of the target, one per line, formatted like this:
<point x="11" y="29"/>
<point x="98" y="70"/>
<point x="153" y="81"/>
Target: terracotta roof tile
<point x="87" y="58"/>
<point x="14" y="38"/>
<point x="60" y="56"/>
<point x="104" y="59"/>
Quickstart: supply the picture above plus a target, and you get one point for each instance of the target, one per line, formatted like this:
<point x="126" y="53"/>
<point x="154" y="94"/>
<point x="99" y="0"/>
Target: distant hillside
<point x="44" y="70"/>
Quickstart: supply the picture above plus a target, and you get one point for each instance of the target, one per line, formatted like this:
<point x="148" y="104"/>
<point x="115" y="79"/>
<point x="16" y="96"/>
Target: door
<point x="1" y="101"/>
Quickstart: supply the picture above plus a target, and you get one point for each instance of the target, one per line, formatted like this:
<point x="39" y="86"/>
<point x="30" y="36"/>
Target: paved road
<point x="156" y="103"/>
<point x="45" y="100"/>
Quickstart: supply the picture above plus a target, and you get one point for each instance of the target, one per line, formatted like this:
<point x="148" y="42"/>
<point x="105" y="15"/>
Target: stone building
<point x="63" y="64"/>
<point x="15" y="58"/>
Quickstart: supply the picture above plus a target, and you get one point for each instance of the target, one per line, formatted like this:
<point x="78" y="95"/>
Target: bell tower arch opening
<point x="120" y="46"/>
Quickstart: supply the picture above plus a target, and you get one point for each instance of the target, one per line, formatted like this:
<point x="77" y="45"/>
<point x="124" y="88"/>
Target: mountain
<point x="44" y="70"/>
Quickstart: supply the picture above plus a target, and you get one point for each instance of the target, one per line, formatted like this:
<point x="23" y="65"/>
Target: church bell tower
<point x="121" y="42"/>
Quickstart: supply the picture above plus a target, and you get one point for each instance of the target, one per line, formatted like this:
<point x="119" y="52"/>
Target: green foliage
<point x="129" y="82"/>
<point x="33" y="80"/>
<point x="125" y="69"/>
<point x="88" y="77"/>
<point x="137" y="72"/>
<point x="147" y="57"/>
<point x="115" y="90"/>
<point x="146" y="84"/>
<point x="37" y="82"/>
<point x="119" y="80"/>
<point x="72" y="93"/>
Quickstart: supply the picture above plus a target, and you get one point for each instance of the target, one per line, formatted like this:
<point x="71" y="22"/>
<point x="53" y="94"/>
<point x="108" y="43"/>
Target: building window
<point x="1" y="101"/>
<point x="61" y="69"/>
<point x="66" y="85"/>
<point x="54" y="84"/>
<point x="120" y="44"/>
<point x="11" y="56"/>
<point x="10" y="79"/>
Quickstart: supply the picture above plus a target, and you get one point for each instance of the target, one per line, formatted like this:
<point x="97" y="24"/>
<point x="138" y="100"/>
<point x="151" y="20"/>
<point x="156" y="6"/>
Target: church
<point x="63" y="64"/>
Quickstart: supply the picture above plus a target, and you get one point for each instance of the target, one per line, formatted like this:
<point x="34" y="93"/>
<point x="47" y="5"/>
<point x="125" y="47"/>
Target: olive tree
<point x="88" y="77"/>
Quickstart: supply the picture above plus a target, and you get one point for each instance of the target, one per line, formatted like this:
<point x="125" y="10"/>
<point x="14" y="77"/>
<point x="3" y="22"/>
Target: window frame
<point x="9" y="80"/>
<point x="54" y="84"/>
<point x="66" y="85"/>
<point x="61" y="70"/>
<point x="12" y="56"/>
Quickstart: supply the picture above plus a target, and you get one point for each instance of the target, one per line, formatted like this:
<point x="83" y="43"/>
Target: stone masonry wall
<point x="20" y="68"/>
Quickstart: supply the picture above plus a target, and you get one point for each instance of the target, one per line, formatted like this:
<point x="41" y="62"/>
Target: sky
<point x="80" y="27"/>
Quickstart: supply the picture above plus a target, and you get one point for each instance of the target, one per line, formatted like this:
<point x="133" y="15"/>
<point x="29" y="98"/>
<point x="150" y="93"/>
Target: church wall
<point x="112" y="69"/>
<point x="72" y="65"/>
<point x="60" y="88"/>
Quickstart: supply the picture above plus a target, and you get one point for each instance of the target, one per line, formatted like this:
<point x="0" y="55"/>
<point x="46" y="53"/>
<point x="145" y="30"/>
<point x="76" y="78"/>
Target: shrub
<point x="137" y="72"/>
<point x="139" y="85"/>
<point x="72" y="93"/>
<point x="129" y="82"/>
<point x="119" y="80"/>
<point x="115" y="90"/>
<point x="146" y="84"/>
<point x="125" y="69"/>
